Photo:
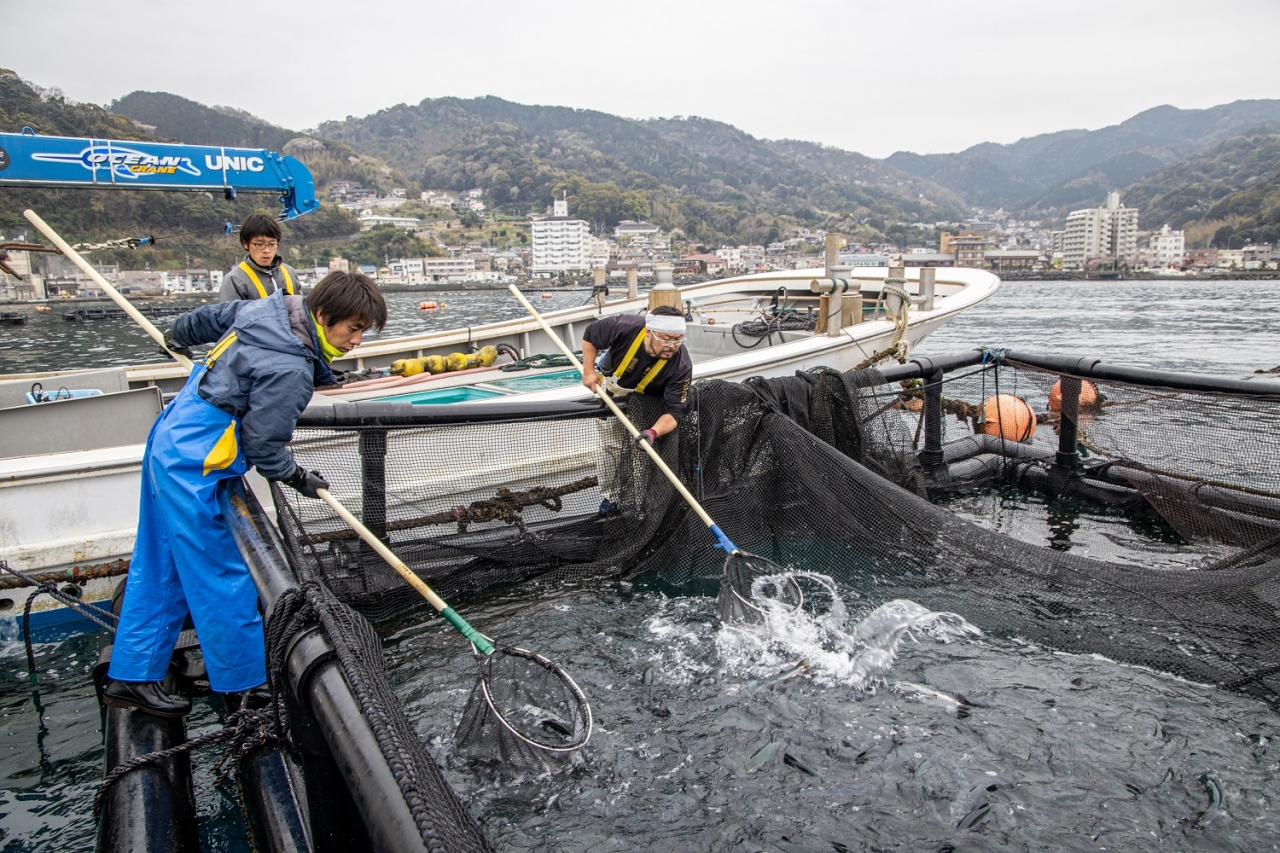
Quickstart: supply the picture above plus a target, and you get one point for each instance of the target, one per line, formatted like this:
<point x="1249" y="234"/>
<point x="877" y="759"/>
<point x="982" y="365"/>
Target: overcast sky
<point x="875" y="77"/>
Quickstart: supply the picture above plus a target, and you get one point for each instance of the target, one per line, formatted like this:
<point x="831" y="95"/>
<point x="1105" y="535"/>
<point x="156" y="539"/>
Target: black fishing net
<point x="822" y="472"/>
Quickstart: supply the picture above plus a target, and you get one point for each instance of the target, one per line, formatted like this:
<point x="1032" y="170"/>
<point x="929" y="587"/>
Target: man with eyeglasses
<point x="263" y="271"/>
<point x="631" y="353"/>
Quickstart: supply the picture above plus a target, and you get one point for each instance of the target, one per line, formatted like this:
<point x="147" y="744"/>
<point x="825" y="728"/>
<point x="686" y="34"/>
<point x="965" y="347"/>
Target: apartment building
<point x="1108" y="233"/>
<point x="560" y="244"/>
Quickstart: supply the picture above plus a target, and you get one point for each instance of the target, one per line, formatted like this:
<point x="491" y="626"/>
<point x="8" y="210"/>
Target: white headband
<point x="665" y="323"/>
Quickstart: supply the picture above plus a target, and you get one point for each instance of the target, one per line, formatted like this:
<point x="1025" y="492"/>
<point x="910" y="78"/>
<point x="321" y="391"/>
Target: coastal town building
<point x="967" y="248"/>
<point x="560" y="243"/>
<point x="1107" y="234"/>
<point x="1167" y="248"/>
<point x="1013" y="260"/>
<point x="628" y="230"/>
<point x="369" y="220"/>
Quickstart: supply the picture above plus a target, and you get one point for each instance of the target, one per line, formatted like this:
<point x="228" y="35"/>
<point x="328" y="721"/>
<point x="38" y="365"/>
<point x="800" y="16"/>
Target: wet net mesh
<point x="822" y="472"/>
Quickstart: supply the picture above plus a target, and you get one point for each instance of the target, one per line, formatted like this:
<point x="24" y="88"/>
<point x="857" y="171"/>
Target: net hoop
<point x="564" y="677"/>
<point x="789" y="580"/>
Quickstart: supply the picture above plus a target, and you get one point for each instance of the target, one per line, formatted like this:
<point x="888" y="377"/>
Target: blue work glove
<point x="306" y="482"/>
<point x="646" y="435"/>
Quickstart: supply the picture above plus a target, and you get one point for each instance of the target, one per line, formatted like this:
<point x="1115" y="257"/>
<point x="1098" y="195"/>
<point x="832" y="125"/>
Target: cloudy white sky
<point x="874" y="76"/>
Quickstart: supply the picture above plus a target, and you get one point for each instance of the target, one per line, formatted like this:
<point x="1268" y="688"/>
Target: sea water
<point x="901" y="729"/>
<point x="851" y="725"/>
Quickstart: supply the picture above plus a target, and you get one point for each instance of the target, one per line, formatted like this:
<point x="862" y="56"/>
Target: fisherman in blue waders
<point x="237" y="410"/>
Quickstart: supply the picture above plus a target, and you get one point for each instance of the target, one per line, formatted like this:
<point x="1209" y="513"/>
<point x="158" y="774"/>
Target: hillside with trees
<point x="707" y="179"/>
<point x="1226" y="196"/>
<point x="1037" y="173"/>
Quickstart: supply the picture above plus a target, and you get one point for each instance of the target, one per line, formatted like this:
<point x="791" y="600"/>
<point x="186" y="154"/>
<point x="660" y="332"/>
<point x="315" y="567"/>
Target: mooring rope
<point x="245" y="730"/>
<point x="901" y="347"/>
<point x="104" y="620"/>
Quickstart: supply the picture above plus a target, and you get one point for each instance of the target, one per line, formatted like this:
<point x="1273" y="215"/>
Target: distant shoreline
<point x="1080" y="275"/>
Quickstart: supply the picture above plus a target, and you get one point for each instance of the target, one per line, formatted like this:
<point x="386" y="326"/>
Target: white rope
<point x="896" y="285"/>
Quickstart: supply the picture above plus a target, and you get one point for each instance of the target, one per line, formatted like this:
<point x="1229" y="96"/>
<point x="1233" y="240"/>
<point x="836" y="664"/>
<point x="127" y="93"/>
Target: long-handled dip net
<point x="525" y="710"/>
<point x="735" y="601"/>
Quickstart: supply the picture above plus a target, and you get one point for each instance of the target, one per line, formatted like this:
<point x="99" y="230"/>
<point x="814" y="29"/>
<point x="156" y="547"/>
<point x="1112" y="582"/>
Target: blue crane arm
<point x="30" y="160"/>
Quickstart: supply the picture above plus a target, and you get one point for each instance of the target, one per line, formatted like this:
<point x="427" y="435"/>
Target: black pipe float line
<point x="317" y="684"/>
<point x="1094" y="368"/>
<point x="151" y="809"/>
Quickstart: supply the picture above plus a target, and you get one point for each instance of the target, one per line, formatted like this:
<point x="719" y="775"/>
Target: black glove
<point x="175" y="347"/>
<point x="648" y="435"/>
<point x="306" y="482"/>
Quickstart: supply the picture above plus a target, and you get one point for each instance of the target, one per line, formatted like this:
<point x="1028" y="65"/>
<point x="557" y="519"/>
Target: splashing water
<point x="857" y="655"/>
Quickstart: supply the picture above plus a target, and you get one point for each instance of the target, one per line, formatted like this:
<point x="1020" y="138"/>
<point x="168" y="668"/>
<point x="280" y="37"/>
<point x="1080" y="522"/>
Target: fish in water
<point x="1213" y="785"/>
<point x="801" y="667"/>
<point x="762" y="755"/>
<point x="954" y="703"/>
<point x="799" y="764"/>
<point x="974" y="817"/>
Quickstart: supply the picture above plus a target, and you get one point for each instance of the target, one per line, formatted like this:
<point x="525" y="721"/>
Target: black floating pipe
<point x="1067" y="459"/>
<point x="151" y="809"/>
<point x="316" y="680"/>
<point x="373" y="489"/>
<point x="920" y="366"/>
<point x="1093" y="368"/>
<point x="932" y="457"/>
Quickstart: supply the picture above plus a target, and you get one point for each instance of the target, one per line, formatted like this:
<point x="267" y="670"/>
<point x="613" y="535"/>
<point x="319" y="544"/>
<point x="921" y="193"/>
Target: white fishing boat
<point x="69" y="472"/>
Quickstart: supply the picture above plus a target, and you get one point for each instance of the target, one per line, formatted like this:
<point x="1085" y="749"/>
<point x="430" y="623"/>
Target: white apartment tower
<point x="560" y="244"/>
<point x="1168" y="248"/>
<point x="1109" y="232"/>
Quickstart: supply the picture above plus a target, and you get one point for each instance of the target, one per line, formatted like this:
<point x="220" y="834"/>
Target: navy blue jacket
<point x="266" y="378"/>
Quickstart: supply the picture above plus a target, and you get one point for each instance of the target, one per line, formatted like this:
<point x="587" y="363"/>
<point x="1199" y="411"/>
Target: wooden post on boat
<point x="893" y="304"/>
<point x="633" y="283"/>
<point x="664" y="291"/>
<point x="833" y="312"/>
<point x="832" y="253"/>
<point x="927" y="286"/>
<point x="600" y="290"/>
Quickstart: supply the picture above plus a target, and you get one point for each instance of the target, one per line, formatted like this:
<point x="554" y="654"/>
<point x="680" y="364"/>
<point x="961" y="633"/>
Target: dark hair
<point x="348" y="295"/>
<point x="258" y="225"/>
<point x="667" y="311"/>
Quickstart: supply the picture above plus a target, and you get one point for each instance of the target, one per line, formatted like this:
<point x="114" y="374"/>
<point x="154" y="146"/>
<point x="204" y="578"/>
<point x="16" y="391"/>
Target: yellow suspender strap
<point x="219" y="350"/>
<point x="631" y="353"/>
<point x="648" y="377"/>
<point x="288" y="282"/>
<point x="253" y="277"/>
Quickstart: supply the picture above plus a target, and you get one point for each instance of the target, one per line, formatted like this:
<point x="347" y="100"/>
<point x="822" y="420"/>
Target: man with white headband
<point x="641" y="354"/>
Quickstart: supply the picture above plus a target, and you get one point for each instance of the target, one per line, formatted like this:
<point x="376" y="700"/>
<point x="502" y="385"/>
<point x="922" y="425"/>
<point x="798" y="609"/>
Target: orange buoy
<point x="914" y="404"/>
<point x="427" y="306"/>
<point x="42" y="308"/>
<point x="711" y="321"/>
<point x="546" y="296"/>
<point x="1008" y="417"/>
<point x="1088" y="396"/>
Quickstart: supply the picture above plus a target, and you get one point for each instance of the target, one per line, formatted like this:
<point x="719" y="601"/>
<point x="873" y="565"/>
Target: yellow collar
<point x="327" y="350"/>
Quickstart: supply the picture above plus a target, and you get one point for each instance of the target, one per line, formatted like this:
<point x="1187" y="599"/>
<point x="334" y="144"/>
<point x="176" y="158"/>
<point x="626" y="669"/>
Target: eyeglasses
<point x="668" y="339"/>
<point x="263" y="244"/>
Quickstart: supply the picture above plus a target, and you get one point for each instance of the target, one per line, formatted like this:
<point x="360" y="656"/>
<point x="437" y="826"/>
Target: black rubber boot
<point x="253" y="699"/>
<point x="146" y="696"/>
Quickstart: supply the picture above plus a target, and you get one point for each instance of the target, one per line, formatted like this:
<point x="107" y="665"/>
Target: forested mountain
<point x="1230" y="193"/>
<point x="1210" y="169"/>
<point x="863" y="170"/>
<point x="1055" y="171"/>
<point x="707" y="178"/>
<point x="173" y="117"/>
